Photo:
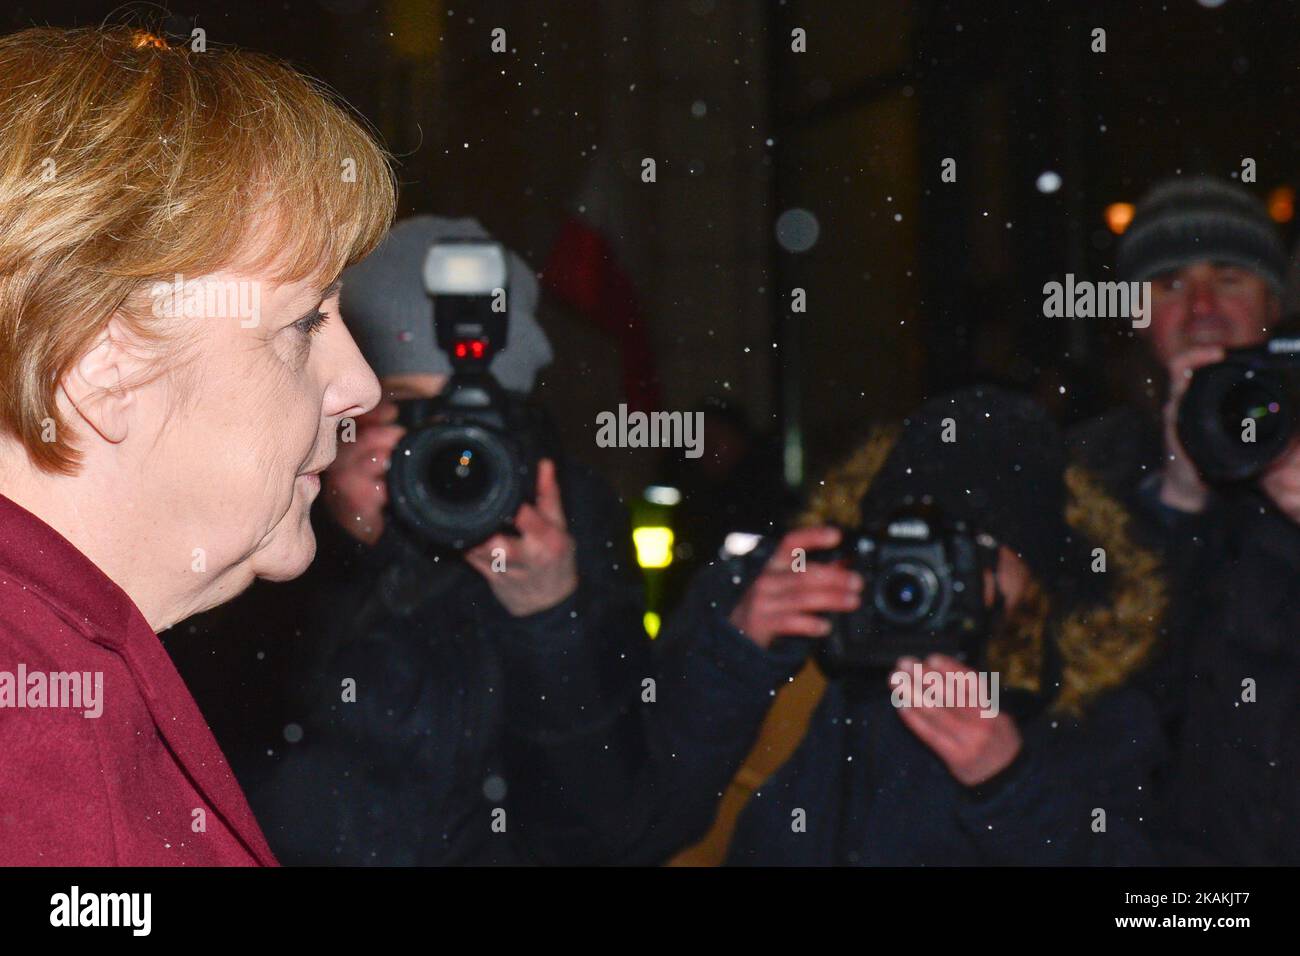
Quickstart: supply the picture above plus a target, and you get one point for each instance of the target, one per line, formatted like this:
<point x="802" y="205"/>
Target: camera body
<point x="469" y="457"/>
<point x="923" y="593"/>
<point x="1239" y="415"/>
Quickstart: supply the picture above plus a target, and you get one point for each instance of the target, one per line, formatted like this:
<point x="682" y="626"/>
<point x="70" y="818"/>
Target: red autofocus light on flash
<point x="474" y="347"/>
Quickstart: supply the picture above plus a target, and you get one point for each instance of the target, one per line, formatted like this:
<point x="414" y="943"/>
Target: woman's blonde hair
<point x="125" y="161"/>
<point x="1101" y="645"/>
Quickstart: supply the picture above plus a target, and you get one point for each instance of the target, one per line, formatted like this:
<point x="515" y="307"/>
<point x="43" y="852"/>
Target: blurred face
<point x="1209" y="304"/>
<point x="1010" y="579"/>
<point x="413" y="385"/>
<point x="357" y="483"/>
<point x="247" y="427"/>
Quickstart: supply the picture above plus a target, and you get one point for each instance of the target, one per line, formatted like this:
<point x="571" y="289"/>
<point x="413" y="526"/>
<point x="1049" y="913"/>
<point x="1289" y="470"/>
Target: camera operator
<point x="869" y="776"/>
<point x="496" y="715"/>
<point x="1228" y="680"/>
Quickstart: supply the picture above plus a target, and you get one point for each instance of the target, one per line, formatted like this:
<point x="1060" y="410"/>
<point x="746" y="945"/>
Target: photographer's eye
<point x="1231" y="275"/>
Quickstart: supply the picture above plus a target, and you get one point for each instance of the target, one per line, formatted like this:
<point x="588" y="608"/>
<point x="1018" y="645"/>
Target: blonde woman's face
<point x="254" y="419"/>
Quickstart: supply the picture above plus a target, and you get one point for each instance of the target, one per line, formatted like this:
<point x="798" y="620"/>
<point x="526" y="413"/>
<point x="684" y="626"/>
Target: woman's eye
<point x="311" y="324"/>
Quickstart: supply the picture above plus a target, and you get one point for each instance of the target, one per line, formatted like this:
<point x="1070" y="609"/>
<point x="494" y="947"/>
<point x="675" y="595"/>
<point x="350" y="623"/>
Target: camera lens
<point x="458" y="483"/>
<point x="1234" y="421"/>
<point x="903" y="593"/>
<point x="906" y="592"/>
<point x="458" y="475"/>
<point x="1250" y="399"/>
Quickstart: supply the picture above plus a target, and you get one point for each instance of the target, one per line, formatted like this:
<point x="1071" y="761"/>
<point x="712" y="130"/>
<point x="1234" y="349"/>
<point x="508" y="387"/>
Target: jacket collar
<point x="63" y="577"/>
<point x="93" y="605"/>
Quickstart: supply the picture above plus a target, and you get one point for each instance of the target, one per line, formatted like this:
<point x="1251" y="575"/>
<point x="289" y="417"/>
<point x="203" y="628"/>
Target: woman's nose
<point x="354" y="389"/>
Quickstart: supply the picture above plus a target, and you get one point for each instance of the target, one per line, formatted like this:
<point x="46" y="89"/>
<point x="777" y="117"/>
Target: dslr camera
<point x="923" y="593"/>
<point x="469" y="457"/>
<point x="1239" y="415"/>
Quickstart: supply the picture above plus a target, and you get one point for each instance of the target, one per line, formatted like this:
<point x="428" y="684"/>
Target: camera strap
<point x="782" y="732"/>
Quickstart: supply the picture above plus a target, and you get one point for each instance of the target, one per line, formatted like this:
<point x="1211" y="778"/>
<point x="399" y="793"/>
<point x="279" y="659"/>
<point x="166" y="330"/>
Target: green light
<point x="654" y="546"/>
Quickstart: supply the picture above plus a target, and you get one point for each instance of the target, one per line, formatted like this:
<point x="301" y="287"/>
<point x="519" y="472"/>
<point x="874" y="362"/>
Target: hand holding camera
<point x="917" y="578"/>
<point x="1181" y="486"/>
<point x="972" y="746"/>
<point x="537" y="569"/>
<point x="1281" y="482"/>
<point x="784" y="602"/>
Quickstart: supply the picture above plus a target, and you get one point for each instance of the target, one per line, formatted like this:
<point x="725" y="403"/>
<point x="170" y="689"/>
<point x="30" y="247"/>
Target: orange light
<point x="1118" y="216"/>
<point x="1281" y="204"/>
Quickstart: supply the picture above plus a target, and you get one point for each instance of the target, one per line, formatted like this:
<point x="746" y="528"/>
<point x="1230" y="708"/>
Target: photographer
<point x="1228" y="681"/>
<point x="851" y="770"/>
<point x="496" y="709"/>
<point x="1215" y="264"/>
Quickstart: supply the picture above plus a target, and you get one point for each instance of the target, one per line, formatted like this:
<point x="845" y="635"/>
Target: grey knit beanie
<point x="1184" y="220"/>
<point x="391" y="316"/>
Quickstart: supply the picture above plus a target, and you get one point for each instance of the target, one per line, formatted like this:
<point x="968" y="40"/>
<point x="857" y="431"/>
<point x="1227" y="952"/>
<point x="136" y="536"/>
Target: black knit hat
<point x="1181" y="221"/>
<point x="1004" y="474"/>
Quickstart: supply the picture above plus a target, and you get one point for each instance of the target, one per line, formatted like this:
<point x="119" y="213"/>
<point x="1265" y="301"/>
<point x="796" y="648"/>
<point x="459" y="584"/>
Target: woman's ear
<point x="96" y="384"/>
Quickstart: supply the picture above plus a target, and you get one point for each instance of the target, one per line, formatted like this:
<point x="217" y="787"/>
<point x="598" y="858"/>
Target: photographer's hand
<point x="1181" y="487"/>
<point x="973" y="748"/>
<point x="356" y="486"/>
<point x="1282" y="483"/>
<point x="782" y="601"/>
<point x="540" y="566"/>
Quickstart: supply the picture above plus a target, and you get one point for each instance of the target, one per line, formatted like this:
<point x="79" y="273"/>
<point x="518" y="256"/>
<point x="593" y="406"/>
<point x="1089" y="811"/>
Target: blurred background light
<point x="1118" y="216"/>
<point x="654" y="546"/>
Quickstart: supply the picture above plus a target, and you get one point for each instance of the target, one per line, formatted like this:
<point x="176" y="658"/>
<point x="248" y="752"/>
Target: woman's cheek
<point x="292" y="418"/>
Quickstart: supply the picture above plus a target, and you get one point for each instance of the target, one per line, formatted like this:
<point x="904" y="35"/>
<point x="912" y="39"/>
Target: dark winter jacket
<point x="1230" y="792"/>
<point x="474" y="737"/>
<point x="1229" y="690"/>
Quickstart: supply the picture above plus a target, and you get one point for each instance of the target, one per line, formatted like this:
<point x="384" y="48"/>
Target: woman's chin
<point x="288" y="558"/>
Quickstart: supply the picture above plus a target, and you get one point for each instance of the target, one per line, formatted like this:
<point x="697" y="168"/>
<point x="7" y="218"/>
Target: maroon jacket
<point x="142" y="784"/>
